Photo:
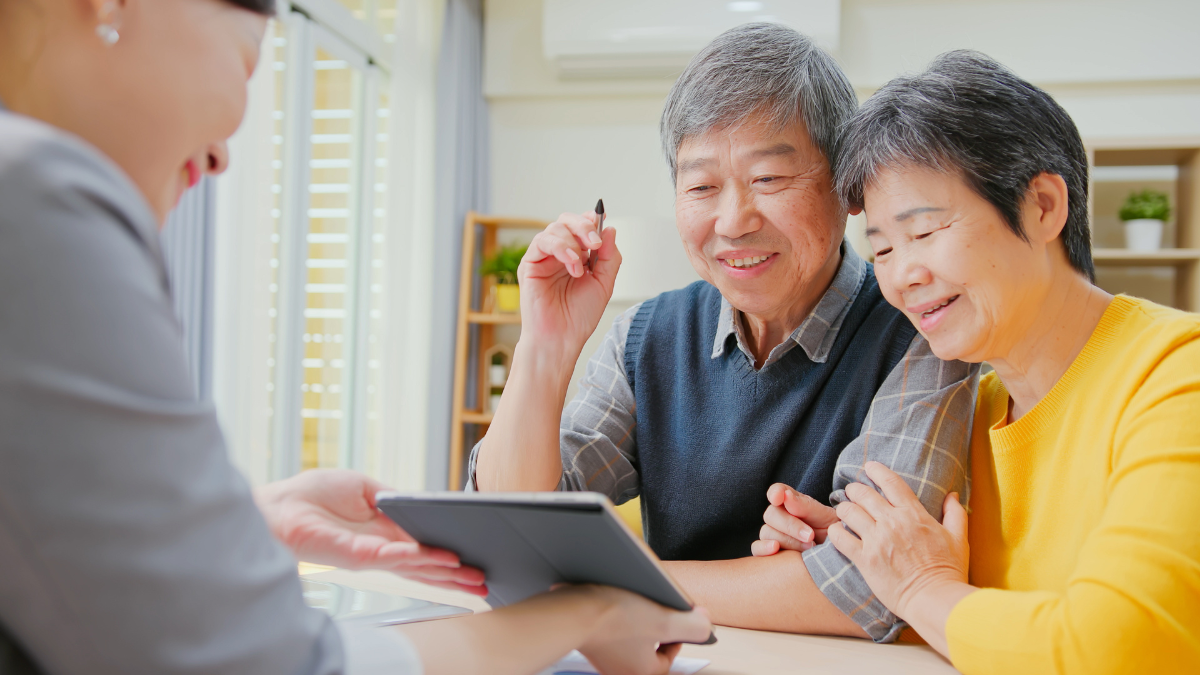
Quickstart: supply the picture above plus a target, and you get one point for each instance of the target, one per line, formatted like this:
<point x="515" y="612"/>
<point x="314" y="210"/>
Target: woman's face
<point x="161" y="101"/>
<point x="945" y="257"/>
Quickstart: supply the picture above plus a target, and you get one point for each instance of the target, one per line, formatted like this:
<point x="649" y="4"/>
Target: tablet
<point x="525" y="542"/>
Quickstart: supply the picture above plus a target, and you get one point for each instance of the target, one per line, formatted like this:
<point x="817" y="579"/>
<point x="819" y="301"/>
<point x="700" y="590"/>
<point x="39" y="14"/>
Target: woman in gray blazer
<point x="128" y="542"/>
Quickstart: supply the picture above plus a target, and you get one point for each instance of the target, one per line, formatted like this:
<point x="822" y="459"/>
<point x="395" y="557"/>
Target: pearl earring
<point x="106" y="30"/>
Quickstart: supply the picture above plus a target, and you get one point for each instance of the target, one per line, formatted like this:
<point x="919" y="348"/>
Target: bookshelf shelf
<point x="1167" y="256"/>
<point x="1171" y="275"/>
<point x="476" y="417"/>
<point x="493" y="318"/>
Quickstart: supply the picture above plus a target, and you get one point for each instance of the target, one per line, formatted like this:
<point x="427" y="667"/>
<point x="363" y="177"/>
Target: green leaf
<point x="1146" y="204"/>
<point x="504" y="263"/>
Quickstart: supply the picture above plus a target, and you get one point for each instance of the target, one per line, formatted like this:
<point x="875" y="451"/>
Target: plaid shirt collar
<point x="818" y="330"/>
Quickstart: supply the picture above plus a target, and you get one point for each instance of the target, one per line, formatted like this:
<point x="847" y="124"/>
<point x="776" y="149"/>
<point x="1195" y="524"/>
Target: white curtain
<point x="419" y="310"/>
<point x="241" y="280"/>
<point x="412" y="269"/>
<point x="462" y="186"/>
<point x="187" y="241"/>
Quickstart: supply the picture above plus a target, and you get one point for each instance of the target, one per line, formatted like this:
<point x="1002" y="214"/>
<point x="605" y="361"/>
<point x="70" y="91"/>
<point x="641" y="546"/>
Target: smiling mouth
<point x="746" y="263"/>
<point x="934" y="310"/>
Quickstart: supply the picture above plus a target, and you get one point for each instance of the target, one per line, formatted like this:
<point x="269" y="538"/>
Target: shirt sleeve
<point x="597" y="438"/>
<point x="128" y="541"/>
<point x="1132" y="603"/>
<point x="919" y="425"/>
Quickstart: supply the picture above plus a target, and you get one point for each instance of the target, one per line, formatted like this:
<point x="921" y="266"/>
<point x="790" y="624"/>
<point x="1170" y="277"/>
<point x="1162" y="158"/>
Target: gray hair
<point x="758" y="68"/>
<point x="968" y="115"/>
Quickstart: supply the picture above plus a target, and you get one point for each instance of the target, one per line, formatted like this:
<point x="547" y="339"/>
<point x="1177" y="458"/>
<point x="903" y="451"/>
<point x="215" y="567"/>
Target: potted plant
<point x="1144" y="214"/>
<point x="503" y="265"/>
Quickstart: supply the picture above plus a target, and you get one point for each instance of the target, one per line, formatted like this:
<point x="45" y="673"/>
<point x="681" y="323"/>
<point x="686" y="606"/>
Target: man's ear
<point x="855" y="210"/>
<point x="1047" y="206"/>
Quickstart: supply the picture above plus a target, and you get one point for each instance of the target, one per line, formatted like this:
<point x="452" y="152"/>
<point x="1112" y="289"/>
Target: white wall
<point x="1122" y="69"/>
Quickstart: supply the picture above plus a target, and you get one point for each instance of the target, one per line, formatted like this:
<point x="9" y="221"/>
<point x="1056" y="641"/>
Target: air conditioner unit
<point x="656" y="38"/>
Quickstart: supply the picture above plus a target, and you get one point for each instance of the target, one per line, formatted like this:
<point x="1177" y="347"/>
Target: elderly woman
<point x="1084" y="538"/>
<point x="128" y="542"/>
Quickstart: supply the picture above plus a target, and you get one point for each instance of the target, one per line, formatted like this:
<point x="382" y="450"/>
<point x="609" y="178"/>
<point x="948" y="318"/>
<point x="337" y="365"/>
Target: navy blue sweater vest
<point x="714" y="434"/>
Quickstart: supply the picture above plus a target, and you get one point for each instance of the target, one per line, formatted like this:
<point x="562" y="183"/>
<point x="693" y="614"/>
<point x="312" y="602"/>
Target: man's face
<point x="757" y="214"/>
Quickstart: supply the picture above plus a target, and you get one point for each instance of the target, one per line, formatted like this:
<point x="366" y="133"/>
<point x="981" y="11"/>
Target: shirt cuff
<point x="372" y="650"/>
<point x="841" y="582"/>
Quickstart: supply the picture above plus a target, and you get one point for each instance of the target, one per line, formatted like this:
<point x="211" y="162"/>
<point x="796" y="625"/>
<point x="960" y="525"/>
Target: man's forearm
<point x="520" y="451"/>
<point x="772" y="593"/>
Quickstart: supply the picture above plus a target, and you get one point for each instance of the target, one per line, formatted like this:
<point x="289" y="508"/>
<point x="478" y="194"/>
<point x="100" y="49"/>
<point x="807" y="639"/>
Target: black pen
<point x="599" y="231"/>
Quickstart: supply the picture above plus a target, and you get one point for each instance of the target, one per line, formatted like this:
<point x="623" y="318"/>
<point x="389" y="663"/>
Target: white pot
<point x="498" y="375"/>
<point x="494" y="402"/>
<point x="1143" y="234"/>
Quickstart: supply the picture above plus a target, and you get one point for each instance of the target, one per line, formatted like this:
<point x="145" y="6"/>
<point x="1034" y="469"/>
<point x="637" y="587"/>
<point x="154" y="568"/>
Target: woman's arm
<point x="618" y="631"/>
<point x="916" y="565"/>
<point x="1132" y="603"/>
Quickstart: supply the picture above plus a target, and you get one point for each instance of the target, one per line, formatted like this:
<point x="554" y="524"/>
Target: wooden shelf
<point x="472" y="417"/>
<point x="477" y="340"/>
<point x="1182" y="236"/>
<point x="493" y="317"/>
<point x="1120" y="257"/>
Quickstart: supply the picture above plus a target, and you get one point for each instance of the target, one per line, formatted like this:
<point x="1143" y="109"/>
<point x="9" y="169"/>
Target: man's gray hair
<point x="759" y="69"/>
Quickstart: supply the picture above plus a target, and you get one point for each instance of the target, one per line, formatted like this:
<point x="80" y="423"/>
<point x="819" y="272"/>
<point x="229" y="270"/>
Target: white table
<point x="737" y="652"/>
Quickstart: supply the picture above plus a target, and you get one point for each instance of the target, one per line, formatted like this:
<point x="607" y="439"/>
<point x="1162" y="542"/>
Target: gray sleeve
<point x="597" y="438"/>
<point x="128" y="541"/>
<point x="919" y="425"/>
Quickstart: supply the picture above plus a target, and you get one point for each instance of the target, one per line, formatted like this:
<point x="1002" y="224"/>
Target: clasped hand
<point x="328" y="516"/>
<point x="901" y="550"/>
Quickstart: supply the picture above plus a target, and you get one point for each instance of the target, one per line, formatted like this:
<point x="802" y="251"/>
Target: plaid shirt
<point x="918" y="424"/>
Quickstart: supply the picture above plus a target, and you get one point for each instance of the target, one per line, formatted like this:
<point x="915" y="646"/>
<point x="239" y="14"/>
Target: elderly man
<point x="784" y="366"/>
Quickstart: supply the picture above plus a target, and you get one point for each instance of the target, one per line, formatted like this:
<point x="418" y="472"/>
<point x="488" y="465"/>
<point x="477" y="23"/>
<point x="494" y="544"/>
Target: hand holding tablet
<point x="527" y="542"/>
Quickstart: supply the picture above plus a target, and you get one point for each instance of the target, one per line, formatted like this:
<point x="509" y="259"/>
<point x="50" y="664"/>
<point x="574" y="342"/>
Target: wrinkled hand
<point x="561" y="301"/>
<point x="328" y="516"/>
<point x="793" y="522"/>
<point x="901" y="551"/>
<point x="636" y="636"/>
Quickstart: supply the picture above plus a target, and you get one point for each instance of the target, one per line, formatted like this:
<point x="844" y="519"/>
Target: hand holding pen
<point x="599" y="230"/>
<point x="567" y="278"/>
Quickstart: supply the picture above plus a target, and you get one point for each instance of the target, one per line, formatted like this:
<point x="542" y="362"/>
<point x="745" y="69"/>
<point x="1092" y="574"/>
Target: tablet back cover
<point x="525" y="549"/>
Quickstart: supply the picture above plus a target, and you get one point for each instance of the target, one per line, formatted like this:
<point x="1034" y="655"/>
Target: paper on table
<point x="576" y="664"/>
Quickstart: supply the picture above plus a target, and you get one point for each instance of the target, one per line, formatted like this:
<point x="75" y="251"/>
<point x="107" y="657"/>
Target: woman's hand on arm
<point x="916" y="565"/>
<point x="328" y="516"/>
<point x="620" y="633"/>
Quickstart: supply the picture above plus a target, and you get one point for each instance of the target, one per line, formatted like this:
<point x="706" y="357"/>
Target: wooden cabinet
<point x="1171" y="275"/>
<point x="482" y="332"/>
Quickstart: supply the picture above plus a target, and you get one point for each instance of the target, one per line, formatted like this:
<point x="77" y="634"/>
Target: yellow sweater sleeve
<point x="1132" y="603"/>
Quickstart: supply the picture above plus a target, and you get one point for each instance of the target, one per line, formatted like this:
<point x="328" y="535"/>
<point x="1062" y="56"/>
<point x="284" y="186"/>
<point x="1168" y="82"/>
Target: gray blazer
<point x="128" y="541"/>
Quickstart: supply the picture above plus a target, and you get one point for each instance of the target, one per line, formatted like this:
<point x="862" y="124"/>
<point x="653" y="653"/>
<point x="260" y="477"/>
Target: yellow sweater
<point x="1085" y="513"/>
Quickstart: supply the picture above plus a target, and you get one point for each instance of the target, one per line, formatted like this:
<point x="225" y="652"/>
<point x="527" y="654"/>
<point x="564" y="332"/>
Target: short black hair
<point x="970" y="115"/>
<point x="264" y="7"/>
